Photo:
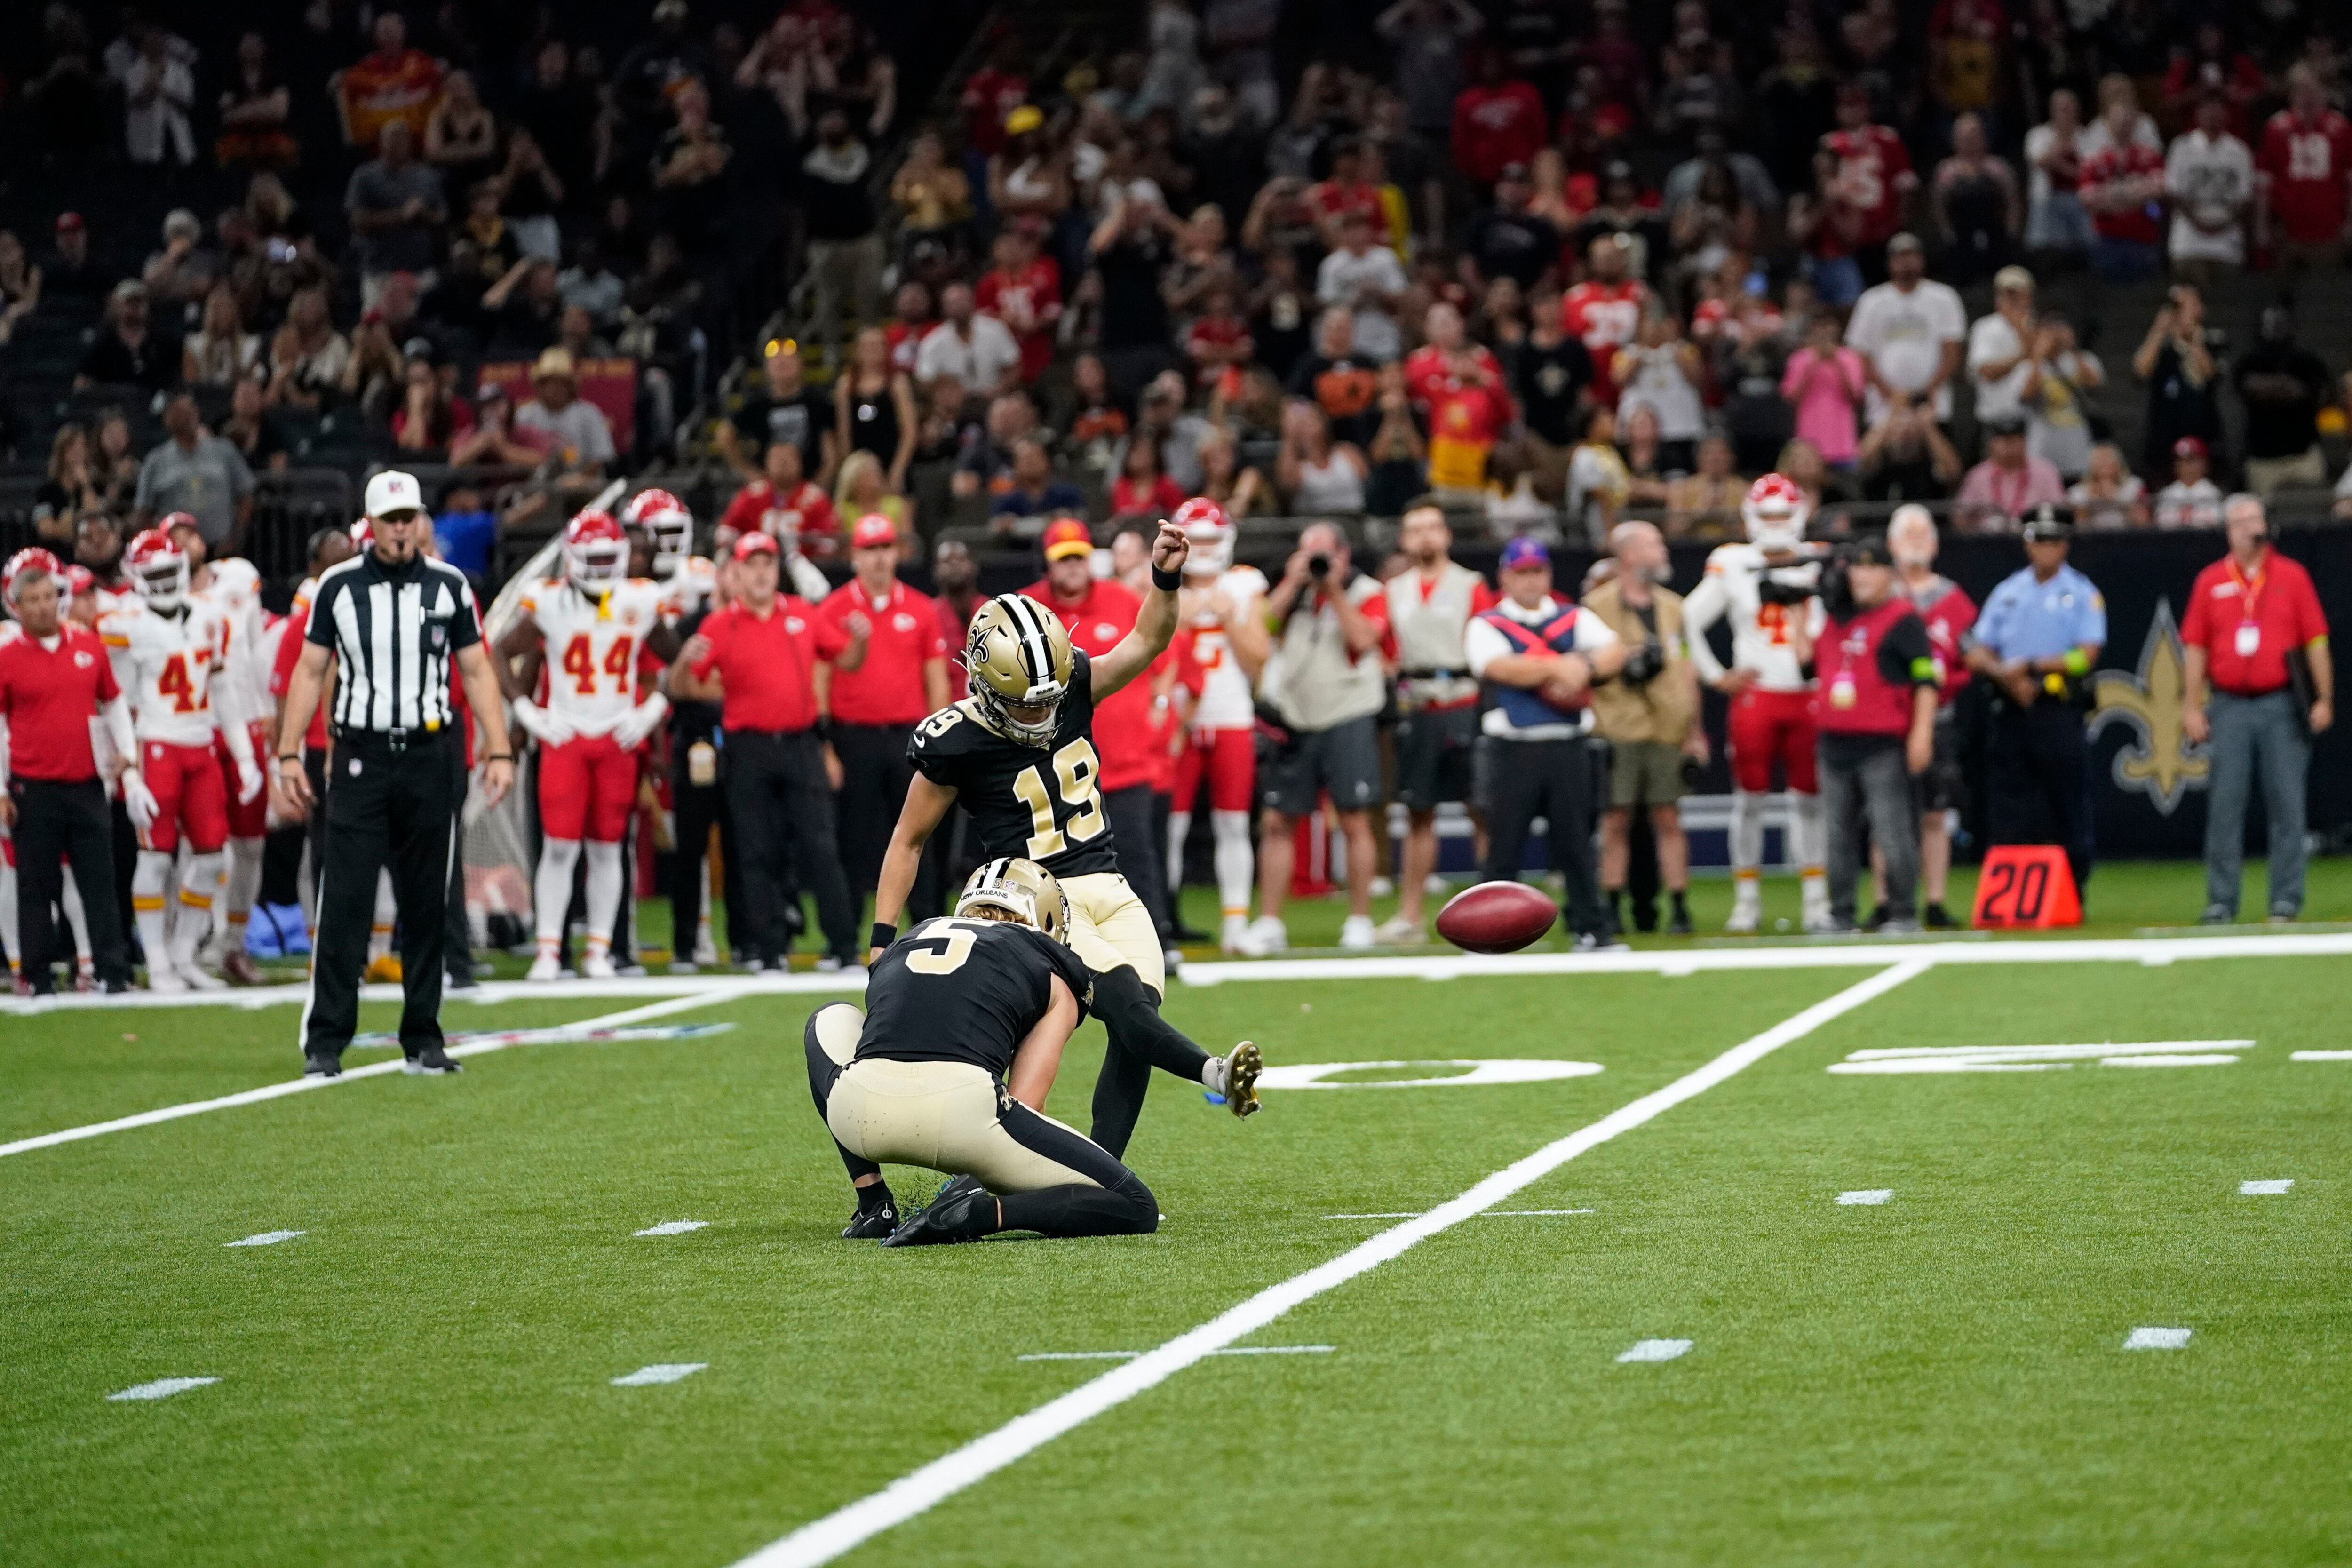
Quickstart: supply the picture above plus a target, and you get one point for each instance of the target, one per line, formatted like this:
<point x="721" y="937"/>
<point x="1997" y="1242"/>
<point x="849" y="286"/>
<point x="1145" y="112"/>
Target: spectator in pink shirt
<point x="2009" y="483"/>
<point x="1825" y="382"/>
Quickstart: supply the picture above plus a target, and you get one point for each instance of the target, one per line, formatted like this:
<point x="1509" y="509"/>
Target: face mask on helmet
<point x="1775" y="513"/>
<point x="1018" y="657"/>
<point x="158" y="570"/>
<point x="668" y="524"/>
<point x="595" y="553"/>
<point x="1208" y="532"/>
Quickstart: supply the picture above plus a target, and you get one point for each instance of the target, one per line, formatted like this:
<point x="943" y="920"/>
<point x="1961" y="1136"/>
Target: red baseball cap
<point x="2189" y="446"/>
<point x="871" y="530"/>
<point x="1068" y="536"/>
<point x="68" y="222"/>
<point x="756" y="542"/>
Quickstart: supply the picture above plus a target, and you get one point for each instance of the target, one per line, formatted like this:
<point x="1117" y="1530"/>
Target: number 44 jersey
<point x="594" y="646"/>
<point x="1040" y="803"/>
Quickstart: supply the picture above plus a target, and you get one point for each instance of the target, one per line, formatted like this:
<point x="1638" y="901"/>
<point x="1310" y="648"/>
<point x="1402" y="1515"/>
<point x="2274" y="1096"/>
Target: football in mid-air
<point x="1497" y="917"/>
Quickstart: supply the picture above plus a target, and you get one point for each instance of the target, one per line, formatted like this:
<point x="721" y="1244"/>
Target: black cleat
<point x="322" y="1064"/>
<point x="871" y="1224"/>
<point x="1939" y="918"/>
<point x="964" y="1211"/>
<point x="432" y="1059"/>
<point x="1680" y="925"/>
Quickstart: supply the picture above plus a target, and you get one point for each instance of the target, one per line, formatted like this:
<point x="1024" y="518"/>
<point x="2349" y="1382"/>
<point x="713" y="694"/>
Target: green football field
<point x="1708" y="1301"/>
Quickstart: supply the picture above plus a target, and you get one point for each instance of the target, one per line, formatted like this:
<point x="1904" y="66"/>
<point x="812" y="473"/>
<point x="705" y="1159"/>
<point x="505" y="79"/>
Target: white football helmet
<point x="1211" y="534"/>
<point x="667" y="522"/>
<point x="1776" y="512"/>
<point x="596" y="552"/>
<point x="158" y="569"/>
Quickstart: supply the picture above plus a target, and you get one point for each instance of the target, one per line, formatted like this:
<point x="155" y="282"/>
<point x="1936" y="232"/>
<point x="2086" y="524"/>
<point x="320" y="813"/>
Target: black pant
<point x="314" y="768"/>
<point x="2039" y="780"/>
<point x="65" y="821"/>
<point x="1553" y="780"/>
<point x="875" y="775"/>
<point x="777" y="790"/>
<point x="1141" y="860"/>
<point x="696" y="809"/>
<point x="457" y="941"/>
<point x="401" y="810"/>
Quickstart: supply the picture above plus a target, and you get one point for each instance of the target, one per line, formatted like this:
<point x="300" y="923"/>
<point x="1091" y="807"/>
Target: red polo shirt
<point x="956" y="626"/>
<point x="2276" y="600"/>
<point x="291" y="642"/>
<point x="887" y="689"/>
<point x="764" y="663"/>
<point x="1123" y="726"/>
<point x="49" y="695"/>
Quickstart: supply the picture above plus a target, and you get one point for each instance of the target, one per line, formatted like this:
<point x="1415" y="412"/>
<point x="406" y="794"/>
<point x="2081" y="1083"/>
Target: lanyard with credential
<point x="2250" y="600"/>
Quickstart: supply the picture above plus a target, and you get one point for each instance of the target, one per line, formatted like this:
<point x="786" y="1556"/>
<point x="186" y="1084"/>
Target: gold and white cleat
<point x="1242" y="1067"/>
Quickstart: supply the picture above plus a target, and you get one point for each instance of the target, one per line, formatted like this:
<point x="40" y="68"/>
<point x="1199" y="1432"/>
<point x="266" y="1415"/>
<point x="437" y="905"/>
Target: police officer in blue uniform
<point x="2036" y="643"/>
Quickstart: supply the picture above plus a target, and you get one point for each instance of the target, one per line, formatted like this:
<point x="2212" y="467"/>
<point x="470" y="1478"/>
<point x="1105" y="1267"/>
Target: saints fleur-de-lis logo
<point x="2160" y="763"/>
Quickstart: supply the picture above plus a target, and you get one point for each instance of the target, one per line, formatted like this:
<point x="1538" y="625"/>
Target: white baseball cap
<point x="391" y="491"/>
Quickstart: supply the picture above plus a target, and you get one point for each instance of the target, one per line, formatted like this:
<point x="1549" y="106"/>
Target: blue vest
<point x="1526" y="710"/>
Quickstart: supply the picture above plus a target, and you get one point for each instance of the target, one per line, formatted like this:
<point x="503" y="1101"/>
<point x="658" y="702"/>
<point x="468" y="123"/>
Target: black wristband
<point x="290" y="756"/>
<point x="823" y="727"/>
<point x="1166" y="582"/>
<point x="884" y="935"/>
<point x="500" y="757"/>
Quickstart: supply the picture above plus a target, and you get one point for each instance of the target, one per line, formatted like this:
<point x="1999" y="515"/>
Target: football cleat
<point x="166" y="981"/>
<point x="963" y="1211"/>
<point x="322" y="1064"/>
<point x="596" y="965"/>
<point x="384" y="971"/>
<point x="1747" y="907"/>
<point x="545" y="967"/>
<point x="871" y="1224"/>
<point x="1242" y="1067"/>
<point x="431" y="1059"/>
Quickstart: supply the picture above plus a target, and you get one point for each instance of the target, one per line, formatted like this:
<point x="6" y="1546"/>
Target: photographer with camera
<point x="1650" y="717"/>
<point x="1877" y="686"/>
<point x="1327" y="685"/>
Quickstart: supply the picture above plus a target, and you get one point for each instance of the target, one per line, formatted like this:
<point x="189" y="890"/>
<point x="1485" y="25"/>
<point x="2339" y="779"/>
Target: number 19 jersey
<point x="1040" y="803"/>
<point x="592" y="648"/>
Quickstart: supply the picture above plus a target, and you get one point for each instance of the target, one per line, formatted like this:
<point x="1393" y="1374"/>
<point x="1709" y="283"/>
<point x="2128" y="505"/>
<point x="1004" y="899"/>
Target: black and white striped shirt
<point x="392" y="630"/>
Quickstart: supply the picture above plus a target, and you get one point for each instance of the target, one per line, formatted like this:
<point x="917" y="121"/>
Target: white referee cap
<point x="393" y="491"/>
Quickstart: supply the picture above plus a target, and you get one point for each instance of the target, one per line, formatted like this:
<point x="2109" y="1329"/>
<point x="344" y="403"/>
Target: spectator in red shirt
<point x="1098" y="614"/>
<point x="54" y="678"/>
<point x="1604" y="312"/>
<point x="1875" y="178"/>
<point x="765" y="652"/>
<point x="2122" y="188"/>
<point x="1498" y="120"/>
<point x="2304" y="167"/>
<point x="1345" y="191"/>
<point x="2211" y="66"/>
<point x="2253" y="615"/>
<point x="793" y="510"/>
<point x="890" y="678"/>
<point x="1218" y="341"/>
<point x="1023" y="290"/>
<point x="1143" y="488"/>
<point x="995" y="91"/>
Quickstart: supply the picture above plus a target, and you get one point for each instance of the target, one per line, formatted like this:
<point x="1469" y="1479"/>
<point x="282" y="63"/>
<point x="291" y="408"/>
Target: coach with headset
<point x="389" y="621"/>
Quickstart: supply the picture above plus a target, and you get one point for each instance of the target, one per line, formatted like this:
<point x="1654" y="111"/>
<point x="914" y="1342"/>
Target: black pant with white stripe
<point x="396" y="808"/>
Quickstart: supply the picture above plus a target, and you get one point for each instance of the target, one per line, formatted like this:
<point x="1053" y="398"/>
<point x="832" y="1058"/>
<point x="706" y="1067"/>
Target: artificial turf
<point x="424" y="1376"/>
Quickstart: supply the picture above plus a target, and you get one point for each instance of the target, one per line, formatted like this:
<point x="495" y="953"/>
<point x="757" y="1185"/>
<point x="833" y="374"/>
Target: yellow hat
<point x="1028" y="117"/>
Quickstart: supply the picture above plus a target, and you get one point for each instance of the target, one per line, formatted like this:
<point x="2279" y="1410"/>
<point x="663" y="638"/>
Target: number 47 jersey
<point x="168" y="663"/>
<point x="1040" y="803"/>
<point x="594" y="646"/>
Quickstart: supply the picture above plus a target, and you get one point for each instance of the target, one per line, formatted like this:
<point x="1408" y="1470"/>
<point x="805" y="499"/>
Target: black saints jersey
<point x="1038" y="802"/>
<point x="965" y="991"/>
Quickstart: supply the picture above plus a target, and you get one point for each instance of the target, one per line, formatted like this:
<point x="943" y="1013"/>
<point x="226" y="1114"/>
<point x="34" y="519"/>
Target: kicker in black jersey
<point x="1040" y="803"/>
<point x="965" y="991"/>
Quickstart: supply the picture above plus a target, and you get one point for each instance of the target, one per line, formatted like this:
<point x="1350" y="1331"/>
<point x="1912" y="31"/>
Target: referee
<point x="389" y="619"/>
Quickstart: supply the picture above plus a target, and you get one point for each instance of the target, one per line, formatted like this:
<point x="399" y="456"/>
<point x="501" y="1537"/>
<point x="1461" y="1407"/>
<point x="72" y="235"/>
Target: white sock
<point x="149" y="883"/>
<point x="1213" y="1074"/>
<point x="8" y="914"/>
<point x="1237" y="860"/>
<point x="1180" y="829"/>
<point x="240" y="888"/>
<point x="702" y="937"/>
<point x="1808" y="836"/>
<point x="76" y="917"/>
<point x="605" y="886"/>
<point x="199" y="885"/>
<point x="1747" y="831"/>
<point x="550" y="892"/>
<point x="387" y="914"/>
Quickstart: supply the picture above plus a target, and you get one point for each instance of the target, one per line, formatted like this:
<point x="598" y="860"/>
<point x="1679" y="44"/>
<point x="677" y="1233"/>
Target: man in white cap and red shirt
<point x="892" y="675"/>
<point x="390" y="621"/>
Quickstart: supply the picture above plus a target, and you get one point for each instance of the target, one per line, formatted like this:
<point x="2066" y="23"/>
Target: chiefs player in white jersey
<point x="245" y="663"/>
<point x="1219" y="613"/>
<point x="591" y="630"/>
<point x="166" y="646"/>
<point x="1767" y="589"/>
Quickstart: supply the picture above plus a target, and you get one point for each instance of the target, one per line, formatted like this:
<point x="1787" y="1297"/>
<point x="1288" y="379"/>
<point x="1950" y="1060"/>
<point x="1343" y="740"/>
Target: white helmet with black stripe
<point x="1019" y="658"/>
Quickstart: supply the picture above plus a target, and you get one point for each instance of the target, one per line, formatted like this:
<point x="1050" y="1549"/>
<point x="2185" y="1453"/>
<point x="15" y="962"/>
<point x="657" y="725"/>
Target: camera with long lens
<point x="1642" y="666"/>
<point x="1318" y="567"/>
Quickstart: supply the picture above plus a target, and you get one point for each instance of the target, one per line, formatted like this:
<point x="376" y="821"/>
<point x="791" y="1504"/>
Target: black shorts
<point x="1344" y="758"/>
<point x="1942" y="788"/>
<point x="1433" y="748"/>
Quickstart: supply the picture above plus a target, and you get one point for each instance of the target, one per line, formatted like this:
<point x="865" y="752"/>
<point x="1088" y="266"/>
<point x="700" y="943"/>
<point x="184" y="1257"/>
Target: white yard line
<point x="1673" y="962"/>
<point x="822" y="1539"/>
<point x="372" y="1070"/>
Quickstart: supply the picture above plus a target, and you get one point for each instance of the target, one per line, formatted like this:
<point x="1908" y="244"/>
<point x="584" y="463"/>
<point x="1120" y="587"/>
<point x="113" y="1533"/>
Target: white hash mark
<point x="661" y="1372"/>
<point x="2156" y="1339"/>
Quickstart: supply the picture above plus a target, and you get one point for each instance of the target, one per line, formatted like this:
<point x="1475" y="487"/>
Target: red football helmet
<point x="37" y="560"/>
<point x="363" y="536"/>
<point x="596" y="552"/>
<point x="1212" y="535"/>
<point x="1776" y="512"/>
<point x="79" y="579"/>
<point x="667" y="522"/>
<point x="158" y="569"/>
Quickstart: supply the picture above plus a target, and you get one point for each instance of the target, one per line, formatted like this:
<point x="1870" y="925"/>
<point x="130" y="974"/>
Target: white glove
<point x="640" y="721"/>
<point x="547" y="728"/>
<point x="137" y="800"/>
<point x="248" y="782"/>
